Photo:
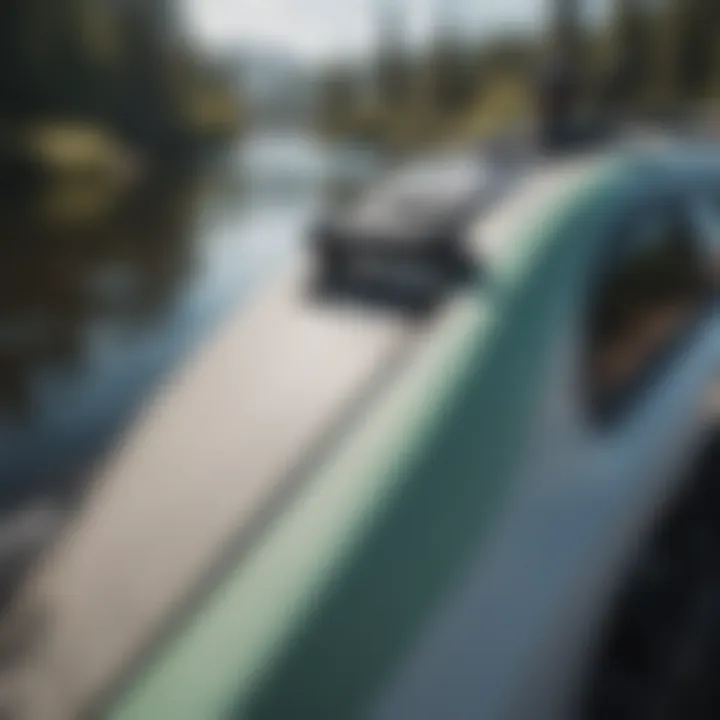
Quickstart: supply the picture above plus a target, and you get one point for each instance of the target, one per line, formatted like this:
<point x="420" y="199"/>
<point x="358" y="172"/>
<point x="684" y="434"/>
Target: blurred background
<point x="160" y="158"/>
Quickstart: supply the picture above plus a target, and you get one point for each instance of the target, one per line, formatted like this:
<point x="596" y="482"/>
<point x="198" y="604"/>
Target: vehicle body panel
<point x="397" y="582"/>
<point x="314" y="622"/>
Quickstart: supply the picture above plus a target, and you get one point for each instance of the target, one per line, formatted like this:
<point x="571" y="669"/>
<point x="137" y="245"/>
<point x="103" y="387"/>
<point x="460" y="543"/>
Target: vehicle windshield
<point x="447" y="178"/>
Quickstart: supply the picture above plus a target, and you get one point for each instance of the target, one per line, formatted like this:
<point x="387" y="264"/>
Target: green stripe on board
<point x="314" y="622"/>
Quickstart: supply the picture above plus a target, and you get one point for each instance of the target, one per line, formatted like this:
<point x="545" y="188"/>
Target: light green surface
<point x="314" y="621"/>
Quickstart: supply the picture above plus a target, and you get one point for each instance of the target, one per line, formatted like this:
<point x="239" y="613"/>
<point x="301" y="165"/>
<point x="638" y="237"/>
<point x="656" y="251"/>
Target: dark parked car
<point x="412" y="225"/>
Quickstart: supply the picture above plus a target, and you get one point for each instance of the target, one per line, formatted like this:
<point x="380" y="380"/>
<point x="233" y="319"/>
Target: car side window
<point x="647" y="299"/>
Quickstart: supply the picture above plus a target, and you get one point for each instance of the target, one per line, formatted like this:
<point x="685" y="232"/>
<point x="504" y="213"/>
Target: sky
<point x="317" y="30"/>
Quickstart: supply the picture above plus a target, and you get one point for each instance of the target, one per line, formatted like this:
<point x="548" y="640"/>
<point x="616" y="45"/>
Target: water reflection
<point x="98" y="304"/>
<point x="63" y="283"/>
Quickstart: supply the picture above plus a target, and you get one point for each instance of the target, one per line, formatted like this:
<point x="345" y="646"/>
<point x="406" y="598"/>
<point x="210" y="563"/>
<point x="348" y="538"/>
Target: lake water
<point x="95" y="313"/>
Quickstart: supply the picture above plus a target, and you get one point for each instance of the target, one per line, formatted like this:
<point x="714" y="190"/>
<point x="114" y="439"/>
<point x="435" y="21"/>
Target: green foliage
<point x="116" y="64"/>
<point x="438" y="95"/>
<point x="661" y="56"/>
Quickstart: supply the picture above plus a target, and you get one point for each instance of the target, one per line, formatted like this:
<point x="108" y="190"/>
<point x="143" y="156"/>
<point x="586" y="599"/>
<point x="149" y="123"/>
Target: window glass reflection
<point x="644" y="304"/>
